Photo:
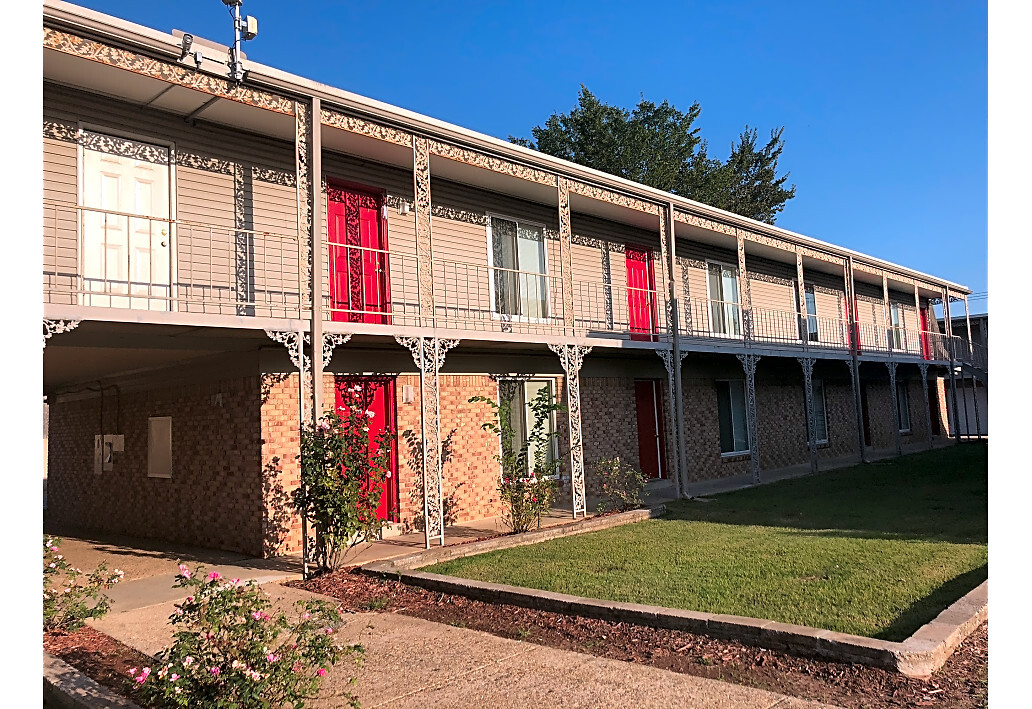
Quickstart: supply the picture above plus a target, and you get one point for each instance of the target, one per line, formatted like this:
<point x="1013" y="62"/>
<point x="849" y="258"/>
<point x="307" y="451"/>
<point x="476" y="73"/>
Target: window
<point x="895" y="327"/>
<point x="159" y="447"/>
<point x="734" y="431"/>
<point x="520" y="394"/>
<point x="811" y="315"/>
<point x="725" y="311"/>
<point x="903" y="407"/>
<point x="820" y="411"/>
<point x="519" y="268"/>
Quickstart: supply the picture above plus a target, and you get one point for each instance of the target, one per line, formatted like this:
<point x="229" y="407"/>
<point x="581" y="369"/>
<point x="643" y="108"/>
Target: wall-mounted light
<point x="404" y="207"/>
<point x="407" y="393"/>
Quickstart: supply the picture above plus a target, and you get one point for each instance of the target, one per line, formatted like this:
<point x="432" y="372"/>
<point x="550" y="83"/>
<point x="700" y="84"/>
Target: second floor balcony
<point x="122" y="262"/>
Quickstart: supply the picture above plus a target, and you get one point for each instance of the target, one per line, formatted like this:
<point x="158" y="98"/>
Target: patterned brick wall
<point x="213" y="498"/>
<point x="841" y="410"/>
<point x="702" y="433"/>
<point x="781" y="419"/>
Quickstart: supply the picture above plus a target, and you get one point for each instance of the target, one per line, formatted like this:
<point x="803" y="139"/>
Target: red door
<point x="358" y="256"/>
<point x="651" y="447"/>
<point x="641" y="299"/>
<point x="926" y="350"/>
<point x="374" y="394"/>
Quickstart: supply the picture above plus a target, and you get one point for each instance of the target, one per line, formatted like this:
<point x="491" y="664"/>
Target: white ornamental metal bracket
<point x="749" y="362"/>
<point x="811" y="412"/>
<point x="571" y="357"/>
<point x="56" y="327"/>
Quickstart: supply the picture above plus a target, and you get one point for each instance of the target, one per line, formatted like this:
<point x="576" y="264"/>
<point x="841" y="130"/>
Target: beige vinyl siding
<point x="697" y="310"/>
<point x="60" y="235"/>
<point x="910" y="337"/>
<point x="773" y="292"/>
<point x="607" y="306"/>
<point x="210" y="161"/>
<point x="832" y="319"/>
<point x="401" y="228"/>
<point x="462" y="274"/>
<point x="870" y="314"/>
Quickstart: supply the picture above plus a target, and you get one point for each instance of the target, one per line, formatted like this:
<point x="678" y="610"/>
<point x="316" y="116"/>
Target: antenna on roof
<point x="246" y="26"/>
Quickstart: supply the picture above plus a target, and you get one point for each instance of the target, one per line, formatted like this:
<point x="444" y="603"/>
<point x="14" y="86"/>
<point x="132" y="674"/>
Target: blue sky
<point x="884" y="104"/>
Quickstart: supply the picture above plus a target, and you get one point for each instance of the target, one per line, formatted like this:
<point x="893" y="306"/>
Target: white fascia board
<point x="270" y="77"/>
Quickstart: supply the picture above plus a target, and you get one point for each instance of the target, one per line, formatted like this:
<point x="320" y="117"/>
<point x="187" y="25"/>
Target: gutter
<point x="152" y="41"/>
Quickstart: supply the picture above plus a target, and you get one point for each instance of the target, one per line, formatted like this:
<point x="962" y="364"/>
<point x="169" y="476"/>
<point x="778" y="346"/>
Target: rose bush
<point x="231" y="652"/>
<point x="622" y="486"/>
<point x="70" y="597"/>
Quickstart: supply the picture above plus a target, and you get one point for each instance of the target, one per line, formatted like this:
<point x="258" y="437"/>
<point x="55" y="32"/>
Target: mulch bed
<point x="961" y="683"/>
<point x="98" y="656"/>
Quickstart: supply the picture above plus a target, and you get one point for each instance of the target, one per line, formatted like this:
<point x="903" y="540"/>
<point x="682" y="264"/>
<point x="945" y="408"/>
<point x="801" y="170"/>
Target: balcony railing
<point x="97" y="257"/>
<point x="105" y="258"/>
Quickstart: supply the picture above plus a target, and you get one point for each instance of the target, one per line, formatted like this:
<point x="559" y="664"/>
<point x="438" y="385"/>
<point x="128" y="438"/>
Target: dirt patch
<point x="962" y="683"/>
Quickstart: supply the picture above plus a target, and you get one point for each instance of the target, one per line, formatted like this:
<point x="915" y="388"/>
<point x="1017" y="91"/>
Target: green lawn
<point x="875" y="550"/>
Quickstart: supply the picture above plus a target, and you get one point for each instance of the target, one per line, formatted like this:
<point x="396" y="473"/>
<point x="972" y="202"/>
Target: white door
<point x="126" y="232"/>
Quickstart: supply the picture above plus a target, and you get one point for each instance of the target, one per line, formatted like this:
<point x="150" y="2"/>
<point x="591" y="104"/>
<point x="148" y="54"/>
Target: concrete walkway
<point x="409" y="662"/>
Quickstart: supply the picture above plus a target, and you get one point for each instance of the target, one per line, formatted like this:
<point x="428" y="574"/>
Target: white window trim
<point x="824" y="400"/>
<point x="554" y="384"/>
<point x="495" y="315"/>
<point x="748" y="434"/>
<point x="173" y="234"/>
<point x="710" y="301"/>
<point x="807" y="314"/>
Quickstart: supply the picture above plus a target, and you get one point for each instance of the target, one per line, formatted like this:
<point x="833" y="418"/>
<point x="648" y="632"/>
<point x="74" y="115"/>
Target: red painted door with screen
<point x="375" y="394"/>
<point x="641" y="301"/>
<point x="358" y="256"/>
<point x="651" y="446"/>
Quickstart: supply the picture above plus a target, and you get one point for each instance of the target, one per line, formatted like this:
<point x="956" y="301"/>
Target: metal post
<point x="676" y="393"/>
<point x="811" y="413"/>
<point x="974" y="403"/>
<point x="428" y="353"/>
<point x="572" y="357"/>
<point x="927" y="408"/>
<point x="804" y="330"/>
<point x="744" y="291"/>
<point x="885" y="311"/>
<point x="952" y="359"/>
<point x="566" y="253"/>
<point x="967" y="322"/>
<point x="749" y="365"/>
<point x="895" y="406"/>
<point x="424" y="236"/>
<point x="854" y="362"/>
<point x="315" y="195"/>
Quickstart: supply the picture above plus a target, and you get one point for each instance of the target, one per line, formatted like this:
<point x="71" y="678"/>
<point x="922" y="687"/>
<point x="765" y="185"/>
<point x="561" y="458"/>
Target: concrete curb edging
<point x="918" y="656"/>
<point x="65" y="687"/>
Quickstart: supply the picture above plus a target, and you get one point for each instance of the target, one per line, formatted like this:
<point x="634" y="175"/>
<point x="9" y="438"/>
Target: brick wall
<point x="609" y="425"/>
<point x="841" y="410"/>
<point x="213" y="498"/>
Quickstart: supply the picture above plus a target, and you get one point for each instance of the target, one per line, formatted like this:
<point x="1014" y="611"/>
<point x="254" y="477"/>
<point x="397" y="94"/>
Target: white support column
<point x="566" y="253"/>
<point x="952" y="359"/>
<point x="315" y="239"/>
<point x="744" y="291"/>
<point x="672" y="361"/>
<point x="424" y="246"/>
<point x="895" y="405"/>
<point x="886" y="323"/>
<point x="854" y="380"/>
<point x="854" y="346"/>
<point x="749" y="365"/>
<point x="56" y="327"/>
<point x="811" y="413"/>
<point x="927" y="405"/>
<point x="428" y="353"/>
<point x="804" y="330"/>
<point x="572" y="357"/>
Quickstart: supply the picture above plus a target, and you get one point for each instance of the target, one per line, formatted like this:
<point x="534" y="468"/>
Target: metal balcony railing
<point x="606" y="309"/>
<point x="367" y="285"/>
<point x="98" y="257"/>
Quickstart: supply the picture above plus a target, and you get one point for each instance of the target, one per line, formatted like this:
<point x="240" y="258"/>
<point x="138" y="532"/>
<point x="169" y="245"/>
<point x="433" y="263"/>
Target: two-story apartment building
<point x="202" y="234"/>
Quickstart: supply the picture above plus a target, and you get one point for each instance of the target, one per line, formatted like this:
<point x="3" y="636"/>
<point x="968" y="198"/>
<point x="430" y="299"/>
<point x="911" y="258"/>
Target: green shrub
<point x="70" y="596"/>
<point x="621" y="486"/>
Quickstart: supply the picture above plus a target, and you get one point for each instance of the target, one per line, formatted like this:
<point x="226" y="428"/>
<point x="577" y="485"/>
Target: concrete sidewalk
<point x="409" y="662"/>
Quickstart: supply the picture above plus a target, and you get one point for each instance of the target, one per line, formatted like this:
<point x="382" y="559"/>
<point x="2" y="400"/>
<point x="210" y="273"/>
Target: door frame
<point x="173" y="233"/>
<point x="381" y="201"/>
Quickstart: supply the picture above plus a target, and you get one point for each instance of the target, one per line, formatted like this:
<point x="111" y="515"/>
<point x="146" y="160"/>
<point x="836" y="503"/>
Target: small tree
<point x="342" y="477"/>
<point x="527" y="487"/>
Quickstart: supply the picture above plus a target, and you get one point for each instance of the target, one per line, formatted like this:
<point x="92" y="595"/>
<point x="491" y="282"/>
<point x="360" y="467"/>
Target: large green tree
<point x="659" y="146"/>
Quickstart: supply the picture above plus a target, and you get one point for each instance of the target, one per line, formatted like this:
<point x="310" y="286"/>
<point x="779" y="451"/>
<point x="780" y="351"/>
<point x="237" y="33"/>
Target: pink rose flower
<point x="183" y="571"/>
<point x="214" y="671"/>
<point x="321" y="672"/>
<point x="214" y="576"/>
